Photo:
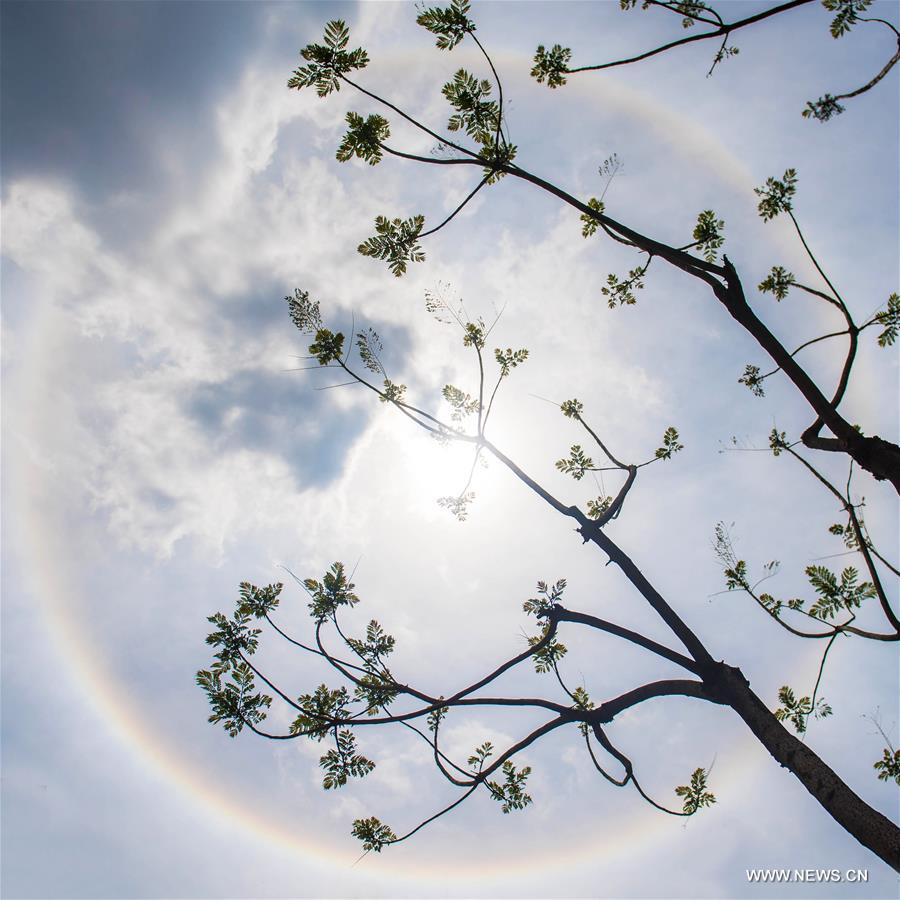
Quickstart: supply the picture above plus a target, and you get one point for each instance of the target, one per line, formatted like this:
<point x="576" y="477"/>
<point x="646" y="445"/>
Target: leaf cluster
<point x="481" y="755"/>
<point x="475" y="114"/>
<point x="753" y="378"/>
<point x="548" y="596"/>
<point x="589" y="223"/>
<point x="450" y="25"/>
<point x="837" y="595"/>
<point x="258" y="602"/>
<point x="459" y="505"/>
<point x="369" y="346"/>
<point x="364" y="138"/>
<point x="777" y="282"/>
<point x="823" y="109"/>
<point x="548" y="656"/>
<point x="304" y="313"/>
<point x="512" y="792"/>
<point x="572" y="409"/>
<point x="461" y="404"/>
<point x="576" y="464"/>
<point x="695" y="794"/>
<point x="888" y="766"/>
<point x="797" y="712"/>
<point x="708" y="234"/>
<point x="597" y="508"/>
<point x="327" y="347"/>
<point x="890" y="319"/>
<point x="775" y="195"/>
<point x="778" y="442"/>
<point x="373" y="833"/>
<point x="234" y="703"/>
<point x="319" y="711"/>
<point x="508" y="359"/>
<point x="621" y="293"/>
<point x="847" y="14"/>
<point x="551" y="65"/>
<point x="392" y="392"/>
<point x="328" y="62"/>
<point x="670" y="444"/>
<point x="342" y="762"/>
<point x="396" y="242"/>
<point x="328" y="595"/>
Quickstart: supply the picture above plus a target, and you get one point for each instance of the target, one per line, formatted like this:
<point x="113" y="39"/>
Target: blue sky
<point x="162" y="191"/>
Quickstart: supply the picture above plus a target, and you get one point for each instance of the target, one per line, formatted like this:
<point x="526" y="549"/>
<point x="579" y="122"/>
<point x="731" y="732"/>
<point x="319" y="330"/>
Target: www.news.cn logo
<point x="774" y="876"/>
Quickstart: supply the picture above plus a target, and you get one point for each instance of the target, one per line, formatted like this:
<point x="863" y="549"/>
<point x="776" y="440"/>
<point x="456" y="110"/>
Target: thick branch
<point x="562" y="614"/>
<point x="673" y="687"/>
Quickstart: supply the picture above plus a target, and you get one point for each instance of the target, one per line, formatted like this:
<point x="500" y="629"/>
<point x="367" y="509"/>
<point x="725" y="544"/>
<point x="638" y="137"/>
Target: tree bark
<point x="867" y="825"/>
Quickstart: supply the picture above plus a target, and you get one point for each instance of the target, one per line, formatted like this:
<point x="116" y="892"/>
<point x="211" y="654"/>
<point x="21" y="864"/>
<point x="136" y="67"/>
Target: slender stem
<point x="823" y="337"/>
<point x="458" y="209"/>
<point x="887" y="68"/>
<point x="409" y="118"/>
<point x="562" y="614"/>
<point x="721" y="30"/>
<point x="819" y="269"/>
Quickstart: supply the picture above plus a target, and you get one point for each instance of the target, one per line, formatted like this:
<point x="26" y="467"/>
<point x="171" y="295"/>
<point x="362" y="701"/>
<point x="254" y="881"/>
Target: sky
<point x="162" y="191"/>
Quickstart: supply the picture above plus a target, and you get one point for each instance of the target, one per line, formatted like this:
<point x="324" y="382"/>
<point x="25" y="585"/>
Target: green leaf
<point x="343" y="762"/>
<point x="475" y="115"/>
<point x="689" y="9"/>
<point x="436" y="716"/>
<point x="474" y="335"/>
<point x="481" y="755"/>
<point x="304" y="312"/>
<point x="576" y="464"/>
<point x="621" y="293"/>
<point x="597" y="508"/>
<point x="777" y="282"/>
<point x="512" y="792"/>
<point x="258" y="602"/>
<point x="797" y="712"/>
<point x="708" y="234"/>
<point x="670" y="444"/>
<point x="461" y="404"/>
<point x="551" y="65"/>
<point x="328" y="61"/>
<point x="450" y="25"/>
<point x="333" y="592"/>
<point x="890" y="319"/>
<point x="547" y="598"/>
<point x="373" y="834"/>
<point x="320" y="711"/>
<point x="823" y="109"/>
<point x="548" y="656"/>
<point x="778" y="442"/>
<point x="508" y="359"/>
<point x="364" y="138"/>
<point x="369" y="346"/>
<point x="695" y="794"/>
<point x="775" y="196"/>
<point x="847" y="14"/>
<point x="234" y="703"/>
<point x="753" y="379"/>
<point x="396" y="241"/>
<point x="392" y="393"/>
<point x="836" y="595"/>
<point x="589" y="223"/>
<point x="327" y="347"/>
<point x="888" y="766"/>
